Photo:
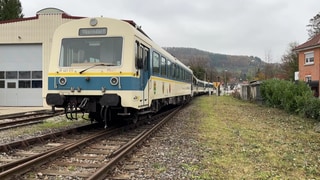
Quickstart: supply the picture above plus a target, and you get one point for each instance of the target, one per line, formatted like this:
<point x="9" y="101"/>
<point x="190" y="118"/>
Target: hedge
<point x="293" y="97"/>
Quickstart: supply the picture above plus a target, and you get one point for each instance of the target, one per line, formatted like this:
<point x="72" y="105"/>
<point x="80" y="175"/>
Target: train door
<point x="146" y="76"/>
<point x="142" y="63"/>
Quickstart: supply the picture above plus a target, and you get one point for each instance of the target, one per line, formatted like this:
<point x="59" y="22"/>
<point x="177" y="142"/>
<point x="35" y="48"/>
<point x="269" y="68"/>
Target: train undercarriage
<point x="107" y="109"/>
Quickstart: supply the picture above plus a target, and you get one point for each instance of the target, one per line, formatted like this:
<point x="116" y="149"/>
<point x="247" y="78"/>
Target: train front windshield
<point x="84" y="51"/>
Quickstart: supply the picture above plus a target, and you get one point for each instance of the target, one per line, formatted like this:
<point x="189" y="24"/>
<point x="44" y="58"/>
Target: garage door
<point x="21" y="75"/>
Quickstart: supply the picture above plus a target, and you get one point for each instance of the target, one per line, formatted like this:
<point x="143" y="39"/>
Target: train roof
<point x="136" y="26"/>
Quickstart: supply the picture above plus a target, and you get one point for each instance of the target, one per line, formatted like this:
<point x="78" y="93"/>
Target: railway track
<point x="89" y="157"/>
<point x="25" y="119"/>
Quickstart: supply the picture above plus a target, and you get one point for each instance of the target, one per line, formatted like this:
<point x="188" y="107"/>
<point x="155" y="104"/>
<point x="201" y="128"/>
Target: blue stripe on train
<point x="95" y="83"/>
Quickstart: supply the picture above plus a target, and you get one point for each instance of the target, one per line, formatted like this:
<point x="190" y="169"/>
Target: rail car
<point x="110" y="68"/>
<point x="201" y="87"/>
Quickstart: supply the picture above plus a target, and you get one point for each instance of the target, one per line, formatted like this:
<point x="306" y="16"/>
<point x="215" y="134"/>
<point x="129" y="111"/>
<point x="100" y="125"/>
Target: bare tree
<point x="314" y="26"/>
<point x="290" y="63"/>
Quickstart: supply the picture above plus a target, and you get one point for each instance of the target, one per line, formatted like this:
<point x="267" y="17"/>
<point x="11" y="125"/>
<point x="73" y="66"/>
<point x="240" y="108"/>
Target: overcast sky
<point x="236" y="27"/>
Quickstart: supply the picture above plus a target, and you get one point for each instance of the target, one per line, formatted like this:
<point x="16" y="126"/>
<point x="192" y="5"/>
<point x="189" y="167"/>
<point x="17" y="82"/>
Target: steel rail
<point x="40" y="139"/>
<point x="17" y="123"/>
<point x="117" y="156"/>
<point x="16" y="171"/>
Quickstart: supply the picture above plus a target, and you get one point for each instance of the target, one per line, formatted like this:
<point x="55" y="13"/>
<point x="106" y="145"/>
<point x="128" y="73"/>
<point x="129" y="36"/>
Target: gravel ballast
<point x="172" y="153"/>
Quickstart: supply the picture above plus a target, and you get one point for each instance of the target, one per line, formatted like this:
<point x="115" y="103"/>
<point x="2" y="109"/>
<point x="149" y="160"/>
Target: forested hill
<point x="219" y="62"/>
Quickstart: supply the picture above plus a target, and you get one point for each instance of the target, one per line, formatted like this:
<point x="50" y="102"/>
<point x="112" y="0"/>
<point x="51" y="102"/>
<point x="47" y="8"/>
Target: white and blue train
<point x="110" y="68"/>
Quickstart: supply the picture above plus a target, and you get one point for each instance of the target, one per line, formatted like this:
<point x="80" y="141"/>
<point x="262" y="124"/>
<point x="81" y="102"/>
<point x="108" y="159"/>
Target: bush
<point x="293" y="97"/>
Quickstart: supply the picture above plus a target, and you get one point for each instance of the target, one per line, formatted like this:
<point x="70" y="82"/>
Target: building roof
<point x="310" y="44"/>
<point x="45" y="11"/>
<point x="50" y="10"/>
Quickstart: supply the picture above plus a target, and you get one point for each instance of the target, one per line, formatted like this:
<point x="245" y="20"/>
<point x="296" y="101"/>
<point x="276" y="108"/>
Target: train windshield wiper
<point x="102" y="64"/>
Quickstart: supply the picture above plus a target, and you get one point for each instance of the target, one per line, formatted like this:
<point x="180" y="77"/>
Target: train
<point x="110" y="68"/>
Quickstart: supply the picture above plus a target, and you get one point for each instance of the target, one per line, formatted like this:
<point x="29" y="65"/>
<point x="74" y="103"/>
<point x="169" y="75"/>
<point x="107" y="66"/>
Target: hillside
<point x="217" y="61"/>
<point x="236" y="65"/>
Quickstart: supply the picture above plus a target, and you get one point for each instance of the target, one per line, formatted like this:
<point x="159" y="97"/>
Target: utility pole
<point x="219" y="86"/>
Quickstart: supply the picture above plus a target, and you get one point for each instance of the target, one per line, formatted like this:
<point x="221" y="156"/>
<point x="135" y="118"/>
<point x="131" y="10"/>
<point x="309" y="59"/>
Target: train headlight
<point x="62" y="81"/>
<point x="114" y="81"/>
<point x="93" y="22"/>
<point x="78" y="89"/>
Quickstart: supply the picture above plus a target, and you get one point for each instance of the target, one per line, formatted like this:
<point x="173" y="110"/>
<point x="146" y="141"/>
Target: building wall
<point x="313" y="69"/>
<point x="35" y="30"/>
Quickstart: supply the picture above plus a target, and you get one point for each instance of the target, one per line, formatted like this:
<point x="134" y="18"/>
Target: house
<point x="309" y="63"/>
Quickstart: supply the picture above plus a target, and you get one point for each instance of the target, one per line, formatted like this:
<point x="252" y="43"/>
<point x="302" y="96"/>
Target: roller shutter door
<point x="21" y="75"/>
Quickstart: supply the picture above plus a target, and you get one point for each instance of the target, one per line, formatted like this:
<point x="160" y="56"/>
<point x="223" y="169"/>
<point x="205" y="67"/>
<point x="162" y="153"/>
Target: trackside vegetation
<point x="293" y="97"/>
<point x="243" y="140"/>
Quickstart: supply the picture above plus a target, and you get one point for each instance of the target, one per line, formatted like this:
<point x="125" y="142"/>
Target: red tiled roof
<point x="312" y="43"/>
<point x="63" y="15"/>
<point x="19" y="19"/>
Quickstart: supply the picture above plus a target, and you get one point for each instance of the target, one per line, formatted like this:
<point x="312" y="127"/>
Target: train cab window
<point x="139" y="55"/>
<point x="81" y="51"/>
<point x="163" y="66"/>
<point x="145" y="58"/>
<point x="156" y="63"/>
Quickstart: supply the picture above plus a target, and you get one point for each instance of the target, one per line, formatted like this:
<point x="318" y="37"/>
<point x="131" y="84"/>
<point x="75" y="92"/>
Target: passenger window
<point x="181" y="74"/>
<point x="163" y="66"/>
<point x="156" y="63"/>
<point x="169" y="68"/>
<point x="177" y="72"/>
<point x="173" y="68"/>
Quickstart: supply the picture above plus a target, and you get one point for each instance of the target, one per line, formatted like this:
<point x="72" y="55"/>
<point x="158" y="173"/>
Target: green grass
<point x="246" y="141"/>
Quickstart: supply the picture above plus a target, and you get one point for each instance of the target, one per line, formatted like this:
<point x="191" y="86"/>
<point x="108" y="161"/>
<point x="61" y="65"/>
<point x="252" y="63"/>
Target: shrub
<point x="293" y="97"/>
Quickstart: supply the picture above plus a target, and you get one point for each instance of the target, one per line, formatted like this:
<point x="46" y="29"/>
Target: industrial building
<point x="25" y="46"/>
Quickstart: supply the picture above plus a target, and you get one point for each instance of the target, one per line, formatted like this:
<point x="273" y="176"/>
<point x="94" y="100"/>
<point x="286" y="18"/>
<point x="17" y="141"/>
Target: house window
<point x="309" y="58"/>
<point x="308" y="78"/>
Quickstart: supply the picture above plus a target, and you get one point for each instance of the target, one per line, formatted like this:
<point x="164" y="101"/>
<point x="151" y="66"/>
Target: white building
<point x="25" y="46"/>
